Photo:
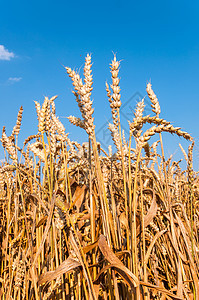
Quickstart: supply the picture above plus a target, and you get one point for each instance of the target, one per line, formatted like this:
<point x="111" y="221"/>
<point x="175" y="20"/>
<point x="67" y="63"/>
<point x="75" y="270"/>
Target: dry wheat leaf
<point x="90" y="246"/>
<point x="78" y="196"/>
<point x="41" y="221"/>
<point x="46" y="230"/>
<point x="150" y="215"/>
<point x="129" y="277"/>
<point x="96" y="289"/>
<point x="173" y="233"/>
<point x="123" y="273"/>
<point x="35" y="198"/>
<point x="72" y="180"/>
<point x="66" y="266"/>
<point x="122" y="253"/>
<point x="158" y="234"/>
<point x="123" y="220"/>
<point x="179" y="279"/>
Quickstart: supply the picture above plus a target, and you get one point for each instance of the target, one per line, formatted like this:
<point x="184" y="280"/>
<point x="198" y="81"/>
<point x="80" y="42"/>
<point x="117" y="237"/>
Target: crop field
<point x="79" y="222"/>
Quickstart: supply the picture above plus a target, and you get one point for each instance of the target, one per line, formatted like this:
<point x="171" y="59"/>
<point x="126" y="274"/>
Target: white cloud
<point x="5" y="54"/>
<point x="14" y="79"/>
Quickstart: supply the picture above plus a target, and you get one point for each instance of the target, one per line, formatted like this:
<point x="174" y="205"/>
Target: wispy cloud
<point x="14" y="79"/>
<point x="11" y="80"/>
<point x="5" y="54"/>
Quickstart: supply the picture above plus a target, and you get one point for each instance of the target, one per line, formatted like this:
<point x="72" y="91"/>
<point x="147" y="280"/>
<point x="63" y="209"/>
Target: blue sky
<point x="157" y="41"/>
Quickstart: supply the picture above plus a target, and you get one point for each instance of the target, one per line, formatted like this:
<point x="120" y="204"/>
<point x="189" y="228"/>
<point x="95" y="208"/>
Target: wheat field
<point x="77" y="222"/>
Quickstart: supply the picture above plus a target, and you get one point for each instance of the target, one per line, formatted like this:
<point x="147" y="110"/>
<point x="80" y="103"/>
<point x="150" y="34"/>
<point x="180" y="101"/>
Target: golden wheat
<point x="79" y="223"/>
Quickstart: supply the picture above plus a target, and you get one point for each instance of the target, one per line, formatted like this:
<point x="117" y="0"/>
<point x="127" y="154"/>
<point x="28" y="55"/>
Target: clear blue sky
<point x="156" y="40"/>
